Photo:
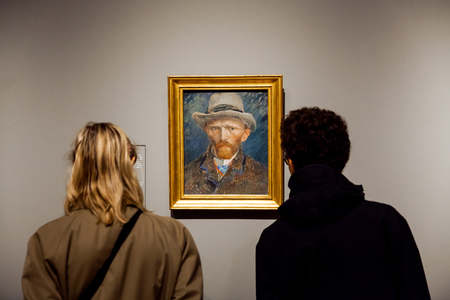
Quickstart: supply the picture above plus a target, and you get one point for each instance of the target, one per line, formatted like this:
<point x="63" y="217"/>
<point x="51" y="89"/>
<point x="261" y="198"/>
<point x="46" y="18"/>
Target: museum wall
<point x="383" y="65"/>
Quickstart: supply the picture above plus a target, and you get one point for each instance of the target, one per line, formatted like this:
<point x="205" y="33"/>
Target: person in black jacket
<point x="331" y="243"/>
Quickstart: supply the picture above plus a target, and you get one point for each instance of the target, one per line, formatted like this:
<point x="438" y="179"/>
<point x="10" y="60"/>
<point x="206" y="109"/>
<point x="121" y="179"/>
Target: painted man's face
<point x="226" y="135"/>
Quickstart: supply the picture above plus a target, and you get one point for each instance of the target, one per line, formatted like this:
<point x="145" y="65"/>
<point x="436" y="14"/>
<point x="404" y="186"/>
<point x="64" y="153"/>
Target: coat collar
<point x="208" y="167"/>
<point x="319" y="194"/>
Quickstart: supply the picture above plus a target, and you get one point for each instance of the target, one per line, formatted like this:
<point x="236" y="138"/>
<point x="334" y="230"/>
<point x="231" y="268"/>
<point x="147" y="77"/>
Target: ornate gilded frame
<point x="177" y="85"/>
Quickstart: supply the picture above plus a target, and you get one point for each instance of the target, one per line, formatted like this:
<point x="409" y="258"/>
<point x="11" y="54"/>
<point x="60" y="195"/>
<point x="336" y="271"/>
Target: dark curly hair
<point x="311" y="135"/>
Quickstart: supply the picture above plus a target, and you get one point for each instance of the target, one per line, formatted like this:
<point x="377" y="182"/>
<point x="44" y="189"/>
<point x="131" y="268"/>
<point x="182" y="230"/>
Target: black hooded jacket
<point x="331" y="243"/>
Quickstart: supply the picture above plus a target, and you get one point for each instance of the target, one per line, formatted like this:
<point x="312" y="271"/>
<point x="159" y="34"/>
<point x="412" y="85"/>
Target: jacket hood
<point x="319" y="194"/>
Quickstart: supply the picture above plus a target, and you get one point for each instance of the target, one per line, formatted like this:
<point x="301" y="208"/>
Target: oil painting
<point x="225" y="142"/>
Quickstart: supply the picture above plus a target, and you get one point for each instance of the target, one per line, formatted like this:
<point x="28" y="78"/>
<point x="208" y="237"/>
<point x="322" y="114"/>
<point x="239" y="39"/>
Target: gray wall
<point x="383" y="65"/>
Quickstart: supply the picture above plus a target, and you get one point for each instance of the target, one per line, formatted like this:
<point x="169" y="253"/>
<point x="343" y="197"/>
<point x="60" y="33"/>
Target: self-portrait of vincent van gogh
<point x="225" y="142"/>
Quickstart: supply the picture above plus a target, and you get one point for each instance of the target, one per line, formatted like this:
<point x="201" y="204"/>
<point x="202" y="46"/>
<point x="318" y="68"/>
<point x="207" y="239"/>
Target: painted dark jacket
<point x="244" y="176"/>
<point x="331" y="243"/>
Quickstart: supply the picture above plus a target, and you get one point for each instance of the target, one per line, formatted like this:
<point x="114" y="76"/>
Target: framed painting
<point x="224" y="144"/>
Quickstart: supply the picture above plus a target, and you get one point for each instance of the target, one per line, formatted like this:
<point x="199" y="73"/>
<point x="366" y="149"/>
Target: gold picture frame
<point x="187" y="94"/>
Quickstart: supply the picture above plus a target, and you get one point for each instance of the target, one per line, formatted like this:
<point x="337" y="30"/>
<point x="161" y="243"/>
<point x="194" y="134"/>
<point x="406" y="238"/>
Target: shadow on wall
<point x="225" y="214"/>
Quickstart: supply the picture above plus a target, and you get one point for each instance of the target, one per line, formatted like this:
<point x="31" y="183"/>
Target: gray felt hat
<point x="225" y="105"/>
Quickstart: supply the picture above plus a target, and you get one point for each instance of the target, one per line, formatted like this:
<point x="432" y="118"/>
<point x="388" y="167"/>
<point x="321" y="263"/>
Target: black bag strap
<point x="98" y="279"/>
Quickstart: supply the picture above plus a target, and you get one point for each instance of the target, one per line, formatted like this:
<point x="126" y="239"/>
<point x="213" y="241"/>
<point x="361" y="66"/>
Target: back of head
<point x="102" y="178"/>
<point x="315" y="136"/>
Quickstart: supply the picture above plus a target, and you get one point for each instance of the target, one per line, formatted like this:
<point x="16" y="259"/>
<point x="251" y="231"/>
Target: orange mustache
<point x="221" y="144"/>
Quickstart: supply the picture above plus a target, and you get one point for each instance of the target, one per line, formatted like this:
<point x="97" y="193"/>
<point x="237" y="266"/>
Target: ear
<point x="291" y="166"/>
<point x="245" y="135"/>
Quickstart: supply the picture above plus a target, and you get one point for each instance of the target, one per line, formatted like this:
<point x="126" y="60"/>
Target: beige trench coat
<point x="159" y="259"/>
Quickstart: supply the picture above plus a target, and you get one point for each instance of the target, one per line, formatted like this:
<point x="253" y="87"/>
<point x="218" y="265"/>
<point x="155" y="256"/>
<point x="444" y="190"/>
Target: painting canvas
<point x="247" y="172"/>
<point x="224" y="150"/>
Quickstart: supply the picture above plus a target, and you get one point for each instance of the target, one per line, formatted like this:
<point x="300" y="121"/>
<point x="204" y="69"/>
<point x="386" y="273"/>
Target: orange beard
<point x="225" y="150"/>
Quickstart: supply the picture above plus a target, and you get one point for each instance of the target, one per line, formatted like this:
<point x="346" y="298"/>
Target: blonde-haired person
<point x="158" y="260"/>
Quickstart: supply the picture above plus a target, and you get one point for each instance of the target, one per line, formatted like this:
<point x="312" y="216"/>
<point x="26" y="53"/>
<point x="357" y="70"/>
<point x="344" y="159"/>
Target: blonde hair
<point x="102" y="176"/>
